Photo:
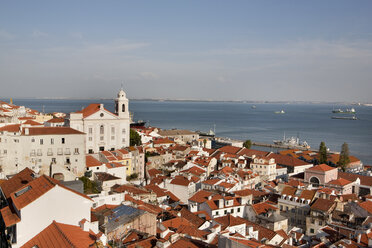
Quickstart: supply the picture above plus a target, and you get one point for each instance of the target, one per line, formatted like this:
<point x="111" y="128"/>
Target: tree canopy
<point x="322" y="153"/>
<point x="344" y="156"/>
<point x="247" y="144"/>
<point x="135" y="138"/>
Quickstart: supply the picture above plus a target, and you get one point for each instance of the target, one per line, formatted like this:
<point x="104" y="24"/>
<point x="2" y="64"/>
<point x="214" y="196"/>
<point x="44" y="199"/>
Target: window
<point x="123" y="108"/>
<point x="101" y="129"/>
<point x="67" y="151"/>
<point x="90" y="130"/>
<point x="281" y="207"/>
<point x="123" y="131"/>
<point x="52" y="141"/>
<point x="68" y="161"/>
<point x="76" y="151"/>
<point x="50" y="152"/>
<point x="311" y="230"/>
<point x="312" y="221"/>
<point x="90" y="151"/>
<point x="90" y="138"/>
<point x="59" y="151"/>
<point x="225" y="212"/>
<point x="299" y="211"/>
<point x="39" y="153"/>
<point x="63" y="140"/>
<point x="123" y="140"/>
<point x="320" y="223"/>
<point x="112" y="130"/>
<point x="293" y="210"/>
<point x="232" y="210"/>
<point x="101" y="138"/>
<point x="54" y="160"/>
<point x="216" y="212"/>
<point x="286" y="208"/>
<point x="238" y="210"/>
<point x="32" y="140"/>
<point x="112" y="137"/>
<point x="41" y="141"/>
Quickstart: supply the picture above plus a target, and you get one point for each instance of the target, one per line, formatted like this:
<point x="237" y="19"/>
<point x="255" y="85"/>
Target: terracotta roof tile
<point x="201" y="196"/>
<point x="10" y="217"/>
<point x="263" y="207"/>
<point x="91" y="109"/>
<point x="60" y="235"/>
<point x="17" y="181"/>
<point x="91" y="161"/>
<point x="50" y="130"/>
<point x="322" y="205"/>
<point x="322" y="167"/>
<point x="183" y="243"/>
<point x="340" y="182"/>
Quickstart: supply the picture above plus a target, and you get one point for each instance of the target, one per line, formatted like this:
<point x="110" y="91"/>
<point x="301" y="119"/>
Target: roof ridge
<point x="63" y="234"/>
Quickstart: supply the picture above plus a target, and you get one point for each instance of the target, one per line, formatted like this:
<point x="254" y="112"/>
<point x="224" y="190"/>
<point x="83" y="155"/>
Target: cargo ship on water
<point x="345" y="117"/>
<point x="341" y="111"/>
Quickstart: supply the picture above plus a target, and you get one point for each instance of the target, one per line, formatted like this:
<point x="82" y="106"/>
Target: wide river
<point x="312" y="122"/>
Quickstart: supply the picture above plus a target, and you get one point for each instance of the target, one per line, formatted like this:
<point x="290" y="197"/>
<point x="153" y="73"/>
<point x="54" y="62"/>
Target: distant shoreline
<point x="193" y="100"/>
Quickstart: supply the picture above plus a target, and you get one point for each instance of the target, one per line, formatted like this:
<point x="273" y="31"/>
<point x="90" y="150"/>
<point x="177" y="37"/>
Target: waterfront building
<point x="179" y="136"/>
<point x="105" y="130"/>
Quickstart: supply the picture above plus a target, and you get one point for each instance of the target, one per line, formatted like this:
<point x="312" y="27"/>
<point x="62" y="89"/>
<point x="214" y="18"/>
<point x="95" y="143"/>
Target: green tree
<point x="90" y="187"/>
<point x="135" y="138"/>
<point x="322" y="153"/>
<point x="344" y="156"/>
<point x="247" y="144"/>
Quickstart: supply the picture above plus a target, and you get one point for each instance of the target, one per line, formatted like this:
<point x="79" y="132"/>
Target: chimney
<point x="101" y="106"/>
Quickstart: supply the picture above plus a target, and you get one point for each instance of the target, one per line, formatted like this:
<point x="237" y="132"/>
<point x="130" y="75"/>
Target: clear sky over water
<point x="221" y="50"/>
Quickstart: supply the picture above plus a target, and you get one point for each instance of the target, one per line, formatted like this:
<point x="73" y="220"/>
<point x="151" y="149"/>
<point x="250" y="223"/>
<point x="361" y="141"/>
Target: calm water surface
<point x="312" y="122"/>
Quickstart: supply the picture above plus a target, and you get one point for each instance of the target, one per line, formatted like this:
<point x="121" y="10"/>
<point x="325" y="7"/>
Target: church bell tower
<point x="122" y="105"/>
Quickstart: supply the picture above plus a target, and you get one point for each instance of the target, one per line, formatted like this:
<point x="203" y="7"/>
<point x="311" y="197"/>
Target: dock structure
<point x="279" y="146"/>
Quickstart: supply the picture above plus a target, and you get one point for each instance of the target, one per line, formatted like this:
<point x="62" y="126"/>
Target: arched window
<point x="314" y="181"/>
<point x="101" y="129"/>
<point x="123" y="108"/>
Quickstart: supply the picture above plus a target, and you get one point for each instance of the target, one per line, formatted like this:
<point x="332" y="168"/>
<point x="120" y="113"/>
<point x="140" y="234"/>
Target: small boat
<point x="280" y="112"/>
<point x="253" y="106"/>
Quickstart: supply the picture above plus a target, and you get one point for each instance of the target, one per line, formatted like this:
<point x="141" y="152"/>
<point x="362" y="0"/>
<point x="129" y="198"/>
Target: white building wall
<point x="37" y="152"/>
<point x="57" y="204"/>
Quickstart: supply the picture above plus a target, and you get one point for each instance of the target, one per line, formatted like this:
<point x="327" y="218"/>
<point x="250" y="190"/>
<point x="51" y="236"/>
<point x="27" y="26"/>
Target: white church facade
<point x="104" y="130"/>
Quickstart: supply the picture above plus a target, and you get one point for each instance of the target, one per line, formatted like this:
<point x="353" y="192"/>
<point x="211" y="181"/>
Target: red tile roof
<point x="56" y="120"/>
<point x="91" y="109"/>
<point x="180" y="180"/>
<point x="35" y="189"/>
<point x="60" y="235"/>
<point x="364" y="180"/>
<point x="9" y="216"/>
<point x="230" y="149"/>
<point x="11" y="128"/>
<point x="50" y="131"/>
<point x="340" y="182"/>
<point x="322" y="167"/>
<point x="183" y="243"/>
<point x="367" y="205"/>
<point x="90" y="161"/>
<point x="200" y="196"/>
<point x="17" y="181"/>
<point x="263" y="207"/>
<point x="229" y="221"/>
<point x="322" y="205"/>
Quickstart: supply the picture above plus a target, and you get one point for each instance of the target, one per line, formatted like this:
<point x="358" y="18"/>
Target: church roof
<point x="91" y="109"/>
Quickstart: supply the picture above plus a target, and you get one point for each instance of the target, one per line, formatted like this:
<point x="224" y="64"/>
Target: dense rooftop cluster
<point x="177" y="190"/>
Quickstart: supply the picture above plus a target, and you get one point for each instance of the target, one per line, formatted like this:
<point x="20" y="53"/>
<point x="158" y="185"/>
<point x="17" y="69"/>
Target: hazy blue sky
<point x="253" y="50"/>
